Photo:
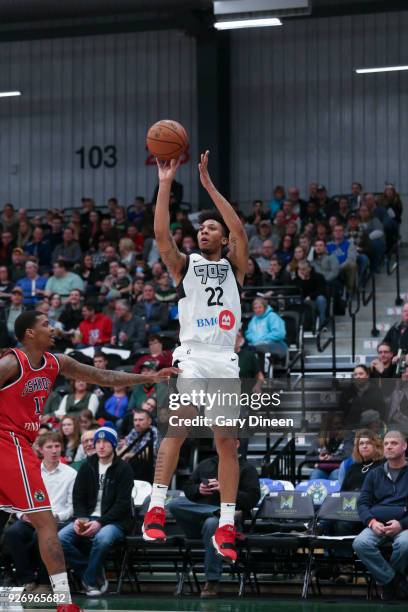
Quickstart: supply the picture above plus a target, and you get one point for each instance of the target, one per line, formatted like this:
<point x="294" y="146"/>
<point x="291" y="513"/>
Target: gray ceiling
<point x="20" y="19"/>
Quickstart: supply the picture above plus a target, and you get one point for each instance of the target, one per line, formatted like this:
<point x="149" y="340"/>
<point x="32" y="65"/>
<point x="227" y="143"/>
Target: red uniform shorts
<point x="21" y="485"/>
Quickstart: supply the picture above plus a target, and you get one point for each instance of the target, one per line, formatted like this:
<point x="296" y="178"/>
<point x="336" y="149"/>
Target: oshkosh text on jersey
<point x="40" y="383"/>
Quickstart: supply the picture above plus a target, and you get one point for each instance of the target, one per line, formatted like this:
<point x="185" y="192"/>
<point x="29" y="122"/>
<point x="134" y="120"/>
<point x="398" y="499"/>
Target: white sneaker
<point x="105" y="585"/>
<point x="93" y="591"/>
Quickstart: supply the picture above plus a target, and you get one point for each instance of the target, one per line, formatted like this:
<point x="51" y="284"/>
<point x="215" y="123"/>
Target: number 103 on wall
<point x="95" y="157"/>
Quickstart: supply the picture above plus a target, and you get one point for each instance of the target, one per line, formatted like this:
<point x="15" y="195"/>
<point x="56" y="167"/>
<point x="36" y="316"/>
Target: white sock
<point x="60" y="584"/>
<point x="227" y="514"/>
<point x="158" y="497"/>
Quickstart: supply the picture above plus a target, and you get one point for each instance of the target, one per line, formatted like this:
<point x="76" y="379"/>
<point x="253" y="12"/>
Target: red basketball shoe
<point x="153" y="525"/>
<point x="224" y="542"/>
<point x="69" y="608"/>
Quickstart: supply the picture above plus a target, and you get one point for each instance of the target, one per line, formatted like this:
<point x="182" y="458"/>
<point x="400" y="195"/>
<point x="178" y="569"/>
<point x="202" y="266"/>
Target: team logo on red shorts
<point x="39" y="496"/>
<point x="226" y="320"/>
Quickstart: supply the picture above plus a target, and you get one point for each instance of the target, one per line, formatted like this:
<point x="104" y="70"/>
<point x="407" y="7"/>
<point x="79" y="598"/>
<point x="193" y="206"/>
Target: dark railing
<point x="371" y="297"/>
<point x="283" y="467"/>
<point x="353" y="313"/>
<point x="331" y="339"/>
<point x="394" y="267"/>
<point x="270" y="450"/>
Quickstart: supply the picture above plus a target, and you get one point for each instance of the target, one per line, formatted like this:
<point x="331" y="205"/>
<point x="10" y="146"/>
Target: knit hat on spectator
<point x="106" y="433"/>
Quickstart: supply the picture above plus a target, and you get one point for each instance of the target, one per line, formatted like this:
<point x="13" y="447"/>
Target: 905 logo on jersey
<point x="206" y="271"/>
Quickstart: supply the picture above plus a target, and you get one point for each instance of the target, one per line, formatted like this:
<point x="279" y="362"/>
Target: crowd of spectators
<point x="97" y="275"/>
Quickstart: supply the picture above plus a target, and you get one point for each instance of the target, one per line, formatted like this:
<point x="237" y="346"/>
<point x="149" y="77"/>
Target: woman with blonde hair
<point x="298" y="255"/>
<point x="368" y="453"/>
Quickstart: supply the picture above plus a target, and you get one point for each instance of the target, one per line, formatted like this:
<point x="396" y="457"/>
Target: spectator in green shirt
<point x="62" y="281"/>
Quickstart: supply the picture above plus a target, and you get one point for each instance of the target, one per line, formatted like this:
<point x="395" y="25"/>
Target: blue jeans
<point x="318" y="474"/>
<point x="198" y="521"/>
<point x="320" y="304"/>
<point x="86" y="555"/>
<point x="363" y="265"/>
<point x="366" y="546"/>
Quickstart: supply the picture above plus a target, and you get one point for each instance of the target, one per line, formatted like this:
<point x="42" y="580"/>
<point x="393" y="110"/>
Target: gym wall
<point x="81" y="97"/>
<point x="300" y="114"/>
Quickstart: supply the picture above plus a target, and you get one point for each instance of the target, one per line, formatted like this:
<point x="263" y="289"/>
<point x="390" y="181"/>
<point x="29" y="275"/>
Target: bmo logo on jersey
<point x="206" y="271"/>
<point x="225" y="320"/>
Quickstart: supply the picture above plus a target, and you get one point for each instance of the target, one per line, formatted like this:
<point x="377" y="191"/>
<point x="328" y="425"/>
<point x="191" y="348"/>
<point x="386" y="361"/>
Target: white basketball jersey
<point x="209" y="305"/>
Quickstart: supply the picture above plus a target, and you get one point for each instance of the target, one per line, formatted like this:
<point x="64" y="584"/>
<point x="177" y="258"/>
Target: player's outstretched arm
<point x="171" y="256"/>
<point x="238" y="240"/>
<point x="109" y="378"/>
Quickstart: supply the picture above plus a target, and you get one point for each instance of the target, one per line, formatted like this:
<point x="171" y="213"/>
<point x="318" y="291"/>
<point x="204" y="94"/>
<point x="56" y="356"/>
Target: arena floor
<point x="253" y="604"/>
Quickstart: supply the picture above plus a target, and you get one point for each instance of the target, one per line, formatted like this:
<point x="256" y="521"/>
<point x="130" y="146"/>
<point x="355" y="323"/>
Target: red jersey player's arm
<point x="108" y="378"/>
<point x="9" y="369"/>
<point x="238" y="240"/>
<point x="171" y="256"/>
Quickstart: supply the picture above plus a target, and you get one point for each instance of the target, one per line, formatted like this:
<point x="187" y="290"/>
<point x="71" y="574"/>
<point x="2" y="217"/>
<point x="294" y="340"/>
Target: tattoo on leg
<point x="52" y="554"/>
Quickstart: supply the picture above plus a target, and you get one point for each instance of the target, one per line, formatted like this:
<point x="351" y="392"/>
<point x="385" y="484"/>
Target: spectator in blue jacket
<point x="266" y="331"/>
<point x="40" y="247"/>
<point x="382" y="507"/>
<point x="32" y="284"/>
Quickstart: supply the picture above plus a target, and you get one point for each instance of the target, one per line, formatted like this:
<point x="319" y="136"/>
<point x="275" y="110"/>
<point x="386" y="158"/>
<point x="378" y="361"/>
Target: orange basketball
<point x="167" y="139"/>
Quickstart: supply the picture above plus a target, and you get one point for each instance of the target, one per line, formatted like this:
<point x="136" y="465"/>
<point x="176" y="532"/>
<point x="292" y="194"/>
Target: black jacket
<point x="117" y="492"/>
<point x="397" y="336"/>
<point x="383" y="499"/>
<point x="314" y="286"/>
<point x="248" y="488"/>
<point x="357" y="473"/>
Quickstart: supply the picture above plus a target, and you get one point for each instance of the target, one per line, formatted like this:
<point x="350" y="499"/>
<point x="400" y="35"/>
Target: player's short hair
<point x="214" y="215"/>
<point x="49" y="436"/>
<point x="25" y="321"/>
<point x="100" y="354"/>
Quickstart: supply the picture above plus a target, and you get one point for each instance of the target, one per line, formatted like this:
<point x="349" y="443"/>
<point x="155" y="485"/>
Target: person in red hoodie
<point x="95" y="329"/>
<point x="156" y="353"/>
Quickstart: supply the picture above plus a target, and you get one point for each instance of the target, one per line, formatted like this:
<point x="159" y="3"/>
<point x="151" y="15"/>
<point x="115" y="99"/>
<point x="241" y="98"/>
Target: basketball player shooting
<point x="26" y="379"/>
<point x="208" y="289"/>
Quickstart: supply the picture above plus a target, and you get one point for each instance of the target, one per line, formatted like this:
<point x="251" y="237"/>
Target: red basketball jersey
<point x="22" y="401"/>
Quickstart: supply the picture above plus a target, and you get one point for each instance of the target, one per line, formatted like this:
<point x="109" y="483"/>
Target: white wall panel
<point x="101" y="90"/>
<point x="300" y="114"/>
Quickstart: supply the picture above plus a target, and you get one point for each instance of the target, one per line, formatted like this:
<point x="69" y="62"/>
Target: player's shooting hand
<point x="167" y="169"/>
<point x="92" y="529"/>
<point x="203" y="170"/>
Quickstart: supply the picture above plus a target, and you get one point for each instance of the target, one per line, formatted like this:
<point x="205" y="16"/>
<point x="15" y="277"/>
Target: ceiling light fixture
<point x="9" y="94"/>
<point x="247" y="23"/>
<point x="383" y="69"/>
